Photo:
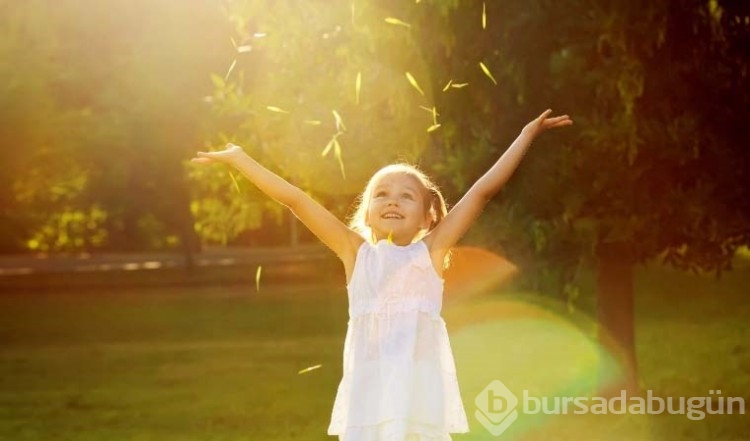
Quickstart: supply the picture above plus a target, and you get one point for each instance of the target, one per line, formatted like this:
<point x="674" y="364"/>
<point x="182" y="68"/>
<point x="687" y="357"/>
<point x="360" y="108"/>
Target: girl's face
<point x="397" y="208"/>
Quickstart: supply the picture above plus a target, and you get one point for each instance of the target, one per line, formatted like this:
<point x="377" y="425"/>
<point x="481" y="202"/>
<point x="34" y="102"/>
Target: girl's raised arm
<point x="327" y="227"/>
<point x="459" y="219"/>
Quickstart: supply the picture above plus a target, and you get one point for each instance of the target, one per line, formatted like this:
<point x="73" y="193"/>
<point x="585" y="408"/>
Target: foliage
<point x="106" y="101"/>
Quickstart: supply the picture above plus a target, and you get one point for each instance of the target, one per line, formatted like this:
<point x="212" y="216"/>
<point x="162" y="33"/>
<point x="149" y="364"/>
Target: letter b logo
<point x="496" y="407"/>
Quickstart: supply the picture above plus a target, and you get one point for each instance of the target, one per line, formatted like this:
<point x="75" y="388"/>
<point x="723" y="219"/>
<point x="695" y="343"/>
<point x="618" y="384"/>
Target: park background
<point x="147" y="298"/>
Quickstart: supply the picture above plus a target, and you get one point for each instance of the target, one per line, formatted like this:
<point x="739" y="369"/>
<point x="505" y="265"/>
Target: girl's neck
<point x="400" y="241"/>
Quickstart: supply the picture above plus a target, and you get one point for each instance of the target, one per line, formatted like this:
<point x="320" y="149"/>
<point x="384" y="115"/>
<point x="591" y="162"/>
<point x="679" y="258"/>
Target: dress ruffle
<point x="395" y="430"/>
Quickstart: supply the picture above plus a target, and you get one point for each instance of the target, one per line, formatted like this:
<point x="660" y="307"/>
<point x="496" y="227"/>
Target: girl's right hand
<point x="544" y="122"/>
<point x="226" y="156"/>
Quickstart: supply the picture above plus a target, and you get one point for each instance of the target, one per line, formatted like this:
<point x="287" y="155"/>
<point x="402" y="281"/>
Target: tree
<point x="321" y="95"/>
<point x="659" y="93"/>
<point x="101" y="107"/>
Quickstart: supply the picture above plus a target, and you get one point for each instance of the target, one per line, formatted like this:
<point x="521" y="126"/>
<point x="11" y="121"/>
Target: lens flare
<point x="475" y="271"/>
<point x="537" y="349"/>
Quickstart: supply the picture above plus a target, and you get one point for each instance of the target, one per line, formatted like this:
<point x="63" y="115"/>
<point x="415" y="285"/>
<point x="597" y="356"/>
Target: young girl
<point x="399" y="379"/>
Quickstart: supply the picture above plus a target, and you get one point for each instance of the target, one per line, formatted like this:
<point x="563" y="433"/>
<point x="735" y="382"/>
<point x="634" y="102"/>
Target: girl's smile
<point x="397" y="209"/>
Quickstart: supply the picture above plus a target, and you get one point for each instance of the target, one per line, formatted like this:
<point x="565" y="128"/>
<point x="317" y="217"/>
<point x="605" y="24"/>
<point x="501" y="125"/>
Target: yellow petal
<point x="276" y="109"/>
<point x="312" y="122"/>
<point x="487" y="72"/>
<point x="231" y="68"/>
<point x="358" y="84"/>
<point x="337" y="152"/>
<point x="459" y="85"/>
<point x="390" y="236"/>
<point x="329" y="146"/>
<point x="433" y="127"/>
<point x="414" y="83"/>
<point x="236" y="184"/>
<point x="244" y="48"/>
<point x="397" y="22"/>
<point x="447" y="85"/>
<point x="257" y="279"/>
<point x="339" y="122"/>
<point x="308" y="369"/>
<point x="484" y="16"/>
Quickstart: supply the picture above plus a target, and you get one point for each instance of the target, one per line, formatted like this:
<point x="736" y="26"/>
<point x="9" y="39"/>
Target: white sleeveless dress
<point x="399" y="377"/>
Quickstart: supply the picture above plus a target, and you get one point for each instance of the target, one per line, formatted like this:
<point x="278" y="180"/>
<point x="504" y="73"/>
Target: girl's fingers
<point x="561" y="123"/>
<point x="558" y="118"/>
<point x="544" y="114"/>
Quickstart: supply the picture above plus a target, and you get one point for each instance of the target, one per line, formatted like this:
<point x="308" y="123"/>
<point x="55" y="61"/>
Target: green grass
<point x="188" y="364"/>
<point x="221" y="363"/>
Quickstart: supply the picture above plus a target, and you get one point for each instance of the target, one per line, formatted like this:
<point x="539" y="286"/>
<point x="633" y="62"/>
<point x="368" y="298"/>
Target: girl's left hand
<point x="542" y="123"/>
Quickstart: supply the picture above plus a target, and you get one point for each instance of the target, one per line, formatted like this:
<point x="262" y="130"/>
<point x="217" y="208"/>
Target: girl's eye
<point x="407" y="195"/>
<point x="380" y="193"/>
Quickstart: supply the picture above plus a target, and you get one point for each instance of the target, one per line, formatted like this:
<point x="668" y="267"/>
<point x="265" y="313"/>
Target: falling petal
<point x="236" y="184"/>
<point x="312" y="122"/>
<point x="358" y="85"/>
<point x="244" y="48"/>
<point x="487" y="72"/>
<point x="276" y="109"/>
<point x="433" y="127"/>
<point x="259" y="34"/>
<point x="397" y="22"/>
<point x="459" y="85"/>
<point x="257" y="279"/>
<point x="414" y="83"/>
<point x="352" y="13"/>
<point x="329" y="146"/>
<point x="484" y="16"/>
<point x="339" y="122"/>
<point x="231" y="67"/>
<point x="432" y="111"/>
<point x="447" y="85"/>
<point x="234" y="43"/>
<point x="337" y="151"/>
<point x="308" y="369"/>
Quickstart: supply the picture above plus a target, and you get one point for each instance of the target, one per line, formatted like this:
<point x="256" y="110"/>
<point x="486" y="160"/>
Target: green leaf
<point x="217" y="81"/>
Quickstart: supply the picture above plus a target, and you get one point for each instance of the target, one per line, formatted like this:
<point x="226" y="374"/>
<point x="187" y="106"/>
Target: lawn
<point x="222" y="363"/>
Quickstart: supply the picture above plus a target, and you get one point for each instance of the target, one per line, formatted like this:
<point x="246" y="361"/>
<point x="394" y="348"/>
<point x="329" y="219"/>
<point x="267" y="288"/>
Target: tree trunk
<point x="615" y="313"/>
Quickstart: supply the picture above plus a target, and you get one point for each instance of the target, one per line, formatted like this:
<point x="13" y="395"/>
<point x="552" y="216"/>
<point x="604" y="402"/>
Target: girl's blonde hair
<point x="433" y="199"/>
